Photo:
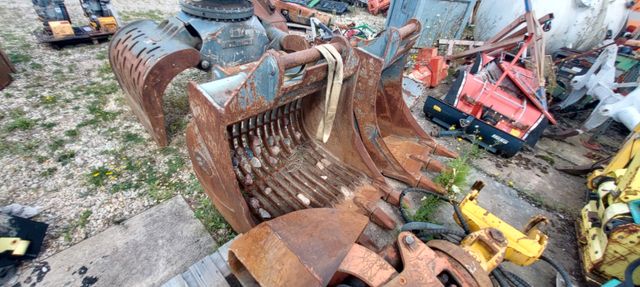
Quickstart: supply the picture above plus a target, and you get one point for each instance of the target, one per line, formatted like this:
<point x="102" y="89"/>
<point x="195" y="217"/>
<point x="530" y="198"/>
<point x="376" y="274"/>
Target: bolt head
<point x="409" y="240"/>
<point x="497" y="235"/>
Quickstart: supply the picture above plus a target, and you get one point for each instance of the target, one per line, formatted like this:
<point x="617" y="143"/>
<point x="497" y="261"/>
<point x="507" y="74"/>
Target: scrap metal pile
<point x="328" y="247"/>
<point x="277" y="132"/>
<point x="294" y="137"/>
<point x="58" y="29"/>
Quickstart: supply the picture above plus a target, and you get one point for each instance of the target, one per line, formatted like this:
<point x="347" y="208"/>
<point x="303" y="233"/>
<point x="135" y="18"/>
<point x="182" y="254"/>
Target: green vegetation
<point x="429" y="204"/>
<point x="48" y="100"/>
<point x="48" y="125"/>
<point x="454" y="177"/>
<point x="84" y="218"/>
<point x="17" y="58"/>
<point x="132" y="138"/>
<point x="101" y="176"/>
<point x="82" y="221"/>
<point x="56" y="144"/>
<point x="458" y="169"/>
<point x="49" y="172"/>
<point x="73" y="133"/>
<point x="19" y="121"/>
<point x="66" y="157"/>
<point x="213" y="220"/>
<point x="98" y="92"/>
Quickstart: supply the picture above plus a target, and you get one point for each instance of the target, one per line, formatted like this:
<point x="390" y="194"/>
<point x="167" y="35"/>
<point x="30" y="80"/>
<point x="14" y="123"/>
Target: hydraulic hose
<point x="420" y="226"/>
<point x="563" y="272"/>
<point x="514" y="279"/>
<point x="628" y="274"/>
<point x="463" y="222"/>
<point x="406" y="191"/>
<point x="502" y="280"/>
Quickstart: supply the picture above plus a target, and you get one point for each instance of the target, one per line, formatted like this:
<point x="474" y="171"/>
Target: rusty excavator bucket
<point x="259" y="144"/>
<point x="395" y="141"/>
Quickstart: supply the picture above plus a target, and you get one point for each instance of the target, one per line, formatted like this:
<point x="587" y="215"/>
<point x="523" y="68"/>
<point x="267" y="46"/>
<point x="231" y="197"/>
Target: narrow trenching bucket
<point x="254" y="144"/>
<point x="397" y="144"/>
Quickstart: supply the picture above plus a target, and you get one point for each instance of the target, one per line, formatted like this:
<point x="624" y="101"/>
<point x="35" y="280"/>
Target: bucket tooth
<point x="145" y="57"/>
<point x="439" y="149"/>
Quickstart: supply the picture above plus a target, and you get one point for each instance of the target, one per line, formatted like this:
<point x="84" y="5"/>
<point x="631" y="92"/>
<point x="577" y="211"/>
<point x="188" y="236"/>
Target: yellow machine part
<point x="523" y="248"/>
<point x="61" y="29"/>
<point x="17" y="246"/>
<point x="607" y="256"/>
<point x="488" y="246"/>
<point x="108" y="24"/>
<point x="606" y="251"/>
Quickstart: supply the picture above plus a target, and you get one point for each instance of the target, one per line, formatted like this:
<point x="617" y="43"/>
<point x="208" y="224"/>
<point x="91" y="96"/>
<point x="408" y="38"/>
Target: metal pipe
<point x="306" y="56"/>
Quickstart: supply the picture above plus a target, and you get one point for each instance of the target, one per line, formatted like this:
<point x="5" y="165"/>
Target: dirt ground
<point x="70" y="146"/>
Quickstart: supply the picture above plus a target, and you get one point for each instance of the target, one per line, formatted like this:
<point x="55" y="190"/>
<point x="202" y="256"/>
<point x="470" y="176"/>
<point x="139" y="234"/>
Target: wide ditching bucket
<point x="272" y="138"/>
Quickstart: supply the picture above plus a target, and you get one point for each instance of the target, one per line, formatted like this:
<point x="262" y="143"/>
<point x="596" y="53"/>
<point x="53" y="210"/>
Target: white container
<point x="578" y="24"/>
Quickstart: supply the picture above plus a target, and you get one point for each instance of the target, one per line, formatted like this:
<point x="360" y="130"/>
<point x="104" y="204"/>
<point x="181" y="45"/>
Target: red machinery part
<point x="318" y="247"/>
<point x="378" y="6"/>
<point x="430" y="68"/>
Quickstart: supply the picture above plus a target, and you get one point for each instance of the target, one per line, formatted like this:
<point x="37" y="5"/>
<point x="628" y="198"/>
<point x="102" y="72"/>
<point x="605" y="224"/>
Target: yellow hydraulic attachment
<point x="61" y="29"/>
<point x="609" y="230"/>
<point x="522" y="248"/>
<point x="105" y="24"/>
<point x="17" y="246"/>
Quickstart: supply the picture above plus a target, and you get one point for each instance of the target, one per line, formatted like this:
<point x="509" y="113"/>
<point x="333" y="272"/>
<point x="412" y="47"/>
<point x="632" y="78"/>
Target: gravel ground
<point x="68" y="142"/>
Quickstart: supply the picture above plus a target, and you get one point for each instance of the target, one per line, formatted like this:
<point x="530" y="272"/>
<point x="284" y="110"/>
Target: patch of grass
<point x="429" y="204"/>
<point x="73" y="133"/>
<point x="48" y="125"/>
<point x="100" y="176"/>
<point x="546" y="158"/>
<point x="48" y="99"/>
<point x="36" y="66"/>
<point x="56" y="144"/>
<point x="458" y="169"/>
<point x="66" y="157"/>
<point x="19" y="121"/>
<point x="102" y="55"/>
<point x="84" y="218"/>
<point x="105" y="70"/>
<point x="132" y="138"/>
<point x="17" y="57"/>
<point x="213" y="221"/>
<point x="49" y="172"/>
<point x="98" y="88"/>
<point x="72" y="67"/>
<point x="25" y="148"/>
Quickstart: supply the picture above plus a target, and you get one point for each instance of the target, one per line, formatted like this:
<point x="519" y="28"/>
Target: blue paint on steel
<point x="228" y="43"/>
<point x="440" y="19"/>
<point x="261" y="85"/>
<point x="634" y="206"/>
<point x="527" y="5"/>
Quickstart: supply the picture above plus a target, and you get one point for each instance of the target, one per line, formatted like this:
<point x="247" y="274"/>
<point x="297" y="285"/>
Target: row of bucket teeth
<point x="281" y="169"/>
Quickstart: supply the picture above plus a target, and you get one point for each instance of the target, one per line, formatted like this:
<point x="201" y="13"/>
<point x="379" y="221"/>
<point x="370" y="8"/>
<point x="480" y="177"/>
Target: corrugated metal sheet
<point x="440" y="19"/>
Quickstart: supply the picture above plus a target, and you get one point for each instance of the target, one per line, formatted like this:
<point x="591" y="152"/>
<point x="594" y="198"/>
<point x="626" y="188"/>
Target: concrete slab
<point x="146" y="250"/>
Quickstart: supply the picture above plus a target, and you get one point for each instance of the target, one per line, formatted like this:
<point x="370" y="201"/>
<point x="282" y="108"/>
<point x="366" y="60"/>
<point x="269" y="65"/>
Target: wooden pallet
<point x="212" y="270"/>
